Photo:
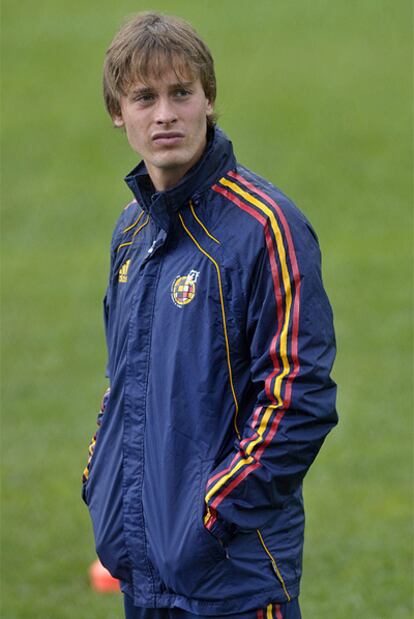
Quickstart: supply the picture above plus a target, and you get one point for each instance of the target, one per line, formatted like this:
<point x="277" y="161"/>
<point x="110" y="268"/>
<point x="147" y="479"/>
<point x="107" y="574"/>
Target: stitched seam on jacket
<point x="134" y="224"/>
<point x="224" y="322"/>
<point x="274" y="565"/>
<point x="202" y="225"/>
<point x="145" y="421"/>
<point x="134" y="235"/>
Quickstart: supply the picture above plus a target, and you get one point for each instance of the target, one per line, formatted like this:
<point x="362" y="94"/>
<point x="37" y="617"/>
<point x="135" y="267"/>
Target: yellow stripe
<point x="223" y="313"/>
<point x="141" y="226"/>
<point x="269" y="612"/>
<point x="262" y="428"/>
<point x="243" y="461"/>
<point x="283" y="336"/>
<point x="285" y="278"/>
<point x="135" y="233"/>
<point x="124" y="245"/>
<point x="134" y="224"/>
<point x="202" y="225"/>
<point x="223" y="480"/>
<point x="276" y="569"/>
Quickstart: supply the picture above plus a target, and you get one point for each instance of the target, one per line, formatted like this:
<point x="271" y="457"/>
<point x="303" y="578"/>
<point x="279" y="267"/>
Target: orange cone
<point x="101" y="579"/>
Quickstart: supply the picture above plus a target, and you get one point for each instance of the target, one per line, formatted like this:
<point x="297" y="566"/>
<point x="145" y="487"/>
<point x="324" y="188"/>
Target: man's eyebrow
<point x="142" y="90"/>
<point x="183" y="84"/>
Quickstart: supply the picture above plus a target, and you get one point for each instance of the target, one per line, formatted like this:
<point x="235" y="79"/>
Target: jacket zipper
<point x="274" y="566"/>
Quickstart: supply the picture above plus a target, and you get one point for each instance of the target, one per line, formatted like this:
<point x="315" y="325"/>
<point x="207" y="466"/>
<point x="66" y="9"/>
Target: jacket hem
<point x="215" y="607"/>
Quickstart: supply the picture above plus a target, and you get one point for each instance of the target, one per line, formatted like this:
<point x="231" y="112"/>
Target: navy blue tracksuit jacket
<point x="220" y="343"/>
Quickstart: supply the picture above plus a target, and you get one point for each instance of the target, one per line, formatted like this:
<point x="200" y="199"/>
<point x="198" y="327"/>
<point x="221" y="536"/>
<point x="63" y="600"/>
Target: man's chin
<point x="170" y="161"/>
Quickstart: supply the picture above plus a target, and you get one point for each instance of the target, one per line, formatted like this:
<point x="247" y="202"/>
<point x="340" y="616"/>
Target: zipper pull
<point x="151" y="249"/>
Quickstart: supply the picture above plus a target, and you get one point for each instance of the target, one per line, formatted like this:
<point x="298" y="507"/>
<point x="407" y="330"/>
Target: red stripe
<point x="260" y="614"/>
<point x="279" y="313"/>
<point x="279" y="309"/>
<point x="295" y="326"/>
<point x="243" y="445"/>
<point x="276" y="282"/>
<point x="228" y="194"/>
<point x="278" y="612"/>
<point x="296" y="279"/>
<point x="252" y="467"/>
<point x="253" y="424"/>
<point x="211" y="521"/>
<point x="218" y="475"/>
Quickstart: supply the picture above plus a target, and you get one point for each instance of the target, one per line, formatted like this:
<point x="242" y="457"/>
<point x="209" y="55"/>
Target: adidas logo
<point x="123" y="272"/>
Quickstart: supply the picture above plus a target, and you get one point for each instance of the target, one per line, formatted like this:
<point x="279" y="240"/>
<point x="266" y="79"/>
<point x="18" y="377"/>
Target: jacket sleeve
<point x="106" y="303"/>
<point x="290" y="334"/>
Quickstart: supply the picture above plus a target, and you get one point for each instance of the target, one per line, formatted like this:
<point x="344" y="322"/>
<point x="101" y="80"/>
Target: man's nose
<point x="165" y="111"/>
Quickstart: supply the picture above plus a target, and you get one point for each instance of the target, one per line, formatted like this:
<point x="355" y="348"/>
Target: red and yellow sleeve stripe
<point x="283" y="349"/>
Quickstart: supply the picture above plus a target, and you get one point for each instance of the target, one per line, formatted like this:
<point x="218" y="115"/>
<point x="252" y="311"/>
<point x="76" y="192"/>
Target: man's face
<point x="166" y="122"/>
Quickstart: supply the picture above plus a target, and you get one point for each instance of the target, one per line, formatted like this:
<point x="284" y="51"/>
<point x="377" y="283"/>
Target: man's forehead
<point x="170" y="78"/>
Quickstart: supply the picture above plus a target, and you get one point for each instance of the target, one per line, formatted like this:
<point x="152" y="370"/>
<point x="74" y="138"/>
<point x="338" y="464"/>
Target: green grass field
<point x="317" y="96"/>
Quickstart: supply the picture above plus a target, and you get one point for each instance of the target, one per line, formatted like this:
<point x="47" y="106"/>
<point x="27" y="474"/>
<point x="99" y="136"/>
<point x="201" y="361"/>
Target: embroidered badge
<point x="123" y="272"/>
<point x="183" y="288"/>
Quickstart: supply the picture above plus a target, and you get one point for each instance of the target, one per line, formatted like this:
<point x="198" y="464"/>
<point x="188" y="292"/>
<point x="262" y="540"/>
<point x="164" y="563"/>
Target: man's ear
<point x="118" y="121"/>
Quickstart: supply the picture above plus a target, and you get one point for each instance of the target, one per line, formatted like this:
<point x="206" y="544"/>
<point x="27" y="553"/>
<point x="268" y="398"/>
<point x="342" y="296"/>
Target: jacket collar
<point x="217" y="159"/>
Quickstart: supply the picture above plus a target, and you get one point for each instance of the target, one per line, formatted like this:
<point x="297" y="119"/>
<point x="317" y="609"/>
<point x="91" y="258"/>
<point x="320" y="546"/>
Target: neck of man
<point x="167" y="178"/>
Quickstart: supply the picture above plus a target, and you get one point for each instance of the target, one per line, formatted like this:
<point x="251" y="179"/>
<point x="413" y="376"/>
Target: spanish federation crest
<point x="183" y="288"/>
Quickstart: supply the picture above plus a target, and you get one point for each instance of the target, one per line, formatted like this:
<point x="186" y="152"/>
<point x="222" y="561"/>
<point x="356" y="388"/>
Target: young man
<point x="220" y="345"/>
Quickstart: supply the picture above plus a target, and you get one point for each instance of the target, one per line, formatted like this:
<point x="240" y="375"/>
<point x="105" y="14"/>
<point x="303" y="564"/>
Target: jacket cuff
<point x="219" y="528"/>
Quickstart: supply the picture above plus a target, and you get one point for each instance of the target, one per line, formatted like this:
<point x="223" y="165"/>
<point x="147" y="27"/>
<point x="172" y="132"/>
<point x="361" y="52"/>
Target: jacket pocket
<point x="184" y="553"/>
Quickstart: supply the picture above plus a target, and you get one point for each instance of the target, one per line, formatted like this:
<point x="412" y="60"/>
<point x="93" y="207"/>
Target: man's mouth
<point x="168" y="138"/>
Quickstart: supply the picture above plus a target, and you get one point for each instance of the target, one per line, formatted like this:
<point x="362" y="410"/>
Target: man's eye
<point x="182" y="92"/>
<point x="145" y="98"/>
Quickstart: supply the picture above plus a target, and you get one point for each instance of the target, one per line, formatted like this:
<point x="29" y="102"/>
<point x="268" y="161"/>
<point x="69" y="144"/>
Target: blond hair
<point x="148" y="45"/>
